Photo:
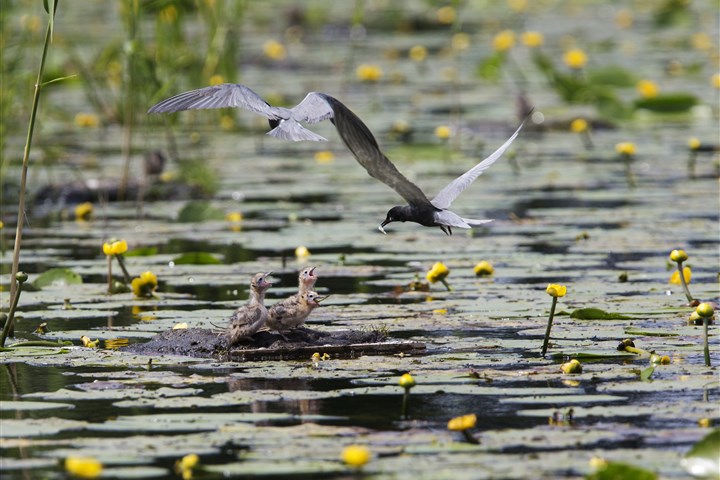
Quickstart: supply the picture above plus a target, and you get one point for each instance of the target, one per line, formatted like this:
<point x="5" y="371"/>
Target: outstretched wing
<point x="313" y="109"/>
<point x="361" y="142"/>
<point x="448" y="194"/>
<point x="224" y="95"/>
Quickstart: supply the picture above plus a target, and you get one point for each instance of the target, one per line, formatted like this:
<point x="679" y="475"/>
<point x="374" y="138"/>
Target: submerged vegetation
<point x="190" y="206"/>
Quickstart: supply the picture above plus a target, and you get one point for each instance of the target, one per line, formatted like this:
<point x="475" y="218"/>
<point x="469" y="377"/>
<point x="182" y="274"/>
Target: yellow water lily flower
<point x="145" y="284"/>
<point x="715" y="80"/>
<point x="503" y="41"/>
<point x="675" y="277"/>
<point x="83" y="211"/>
<point x="89" y="343"/>
<point x="168" y="14"/>
<point x="417" y="53"/>
<point x="705" y="309"/>
<point x="484" y="268"/>
<point x="555" y="290"/>
<point x="234" y="217"/>
<point x="532" y="39"/>
<point x="355" y="455"/>
<point x="647" y="88"/>
<point x="579" y="125"/>
<point x="446" y="15"/>
<point x="274" y="50"/>
<point x="573" y="366"/>
<point x="369" y="73"/>
<point x="443" y="132"/>
<point x="464" y="422"/>
<point x="678" y="256"/>
<point x="87" y="120"/>
<point x="460" y="41"/>
<point x="83" y="467"/>
<point x="575" y="58"/>
<point x="216" y="79"/>
<point x="626" y="148"/>
<point x="407" y="381"/>
<point x="302" y="252"/>
<point x="694" y="143"/>
<point x="437" y="273"/>
<point x="324" y="156"/>
<point x="115" y="248"/>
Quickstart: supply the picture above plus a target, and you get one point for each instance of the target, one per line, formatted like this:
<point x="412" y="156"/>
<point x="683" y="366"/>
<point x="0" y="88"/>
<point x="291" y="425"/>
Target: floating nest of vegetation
<point x="301" y="343"/>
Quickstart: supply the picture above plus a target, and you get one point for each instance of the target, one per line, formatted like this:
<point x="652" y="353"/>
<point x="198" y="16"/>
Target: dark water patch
<point x="522" y="207"/>
<point x="546" y="247"/>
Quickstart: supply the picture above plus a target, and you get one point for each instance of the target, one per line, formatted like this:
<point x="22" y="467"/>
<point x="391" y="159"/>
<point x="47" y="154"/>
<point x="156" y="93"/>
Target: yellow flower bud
<point x="443" y="132"/>
<point x="483" y="268"/>
<point x="437" y="273"/>
<point x="625" y="148"/>
<point x="504" y="41"/>
<point x="464" y="422"/>
<point x="675" y="277"/>
<point x="678" y="256"/>
<point x="573" y="366"/>
<point x="647" y="89"/>
<point x="555" y="290"/>
<point x="579" y="125"/>
<point x="407" y="381"/>
<point x="355" y="455"/>
<point x="532" y="39"/>
<point x="83" y="467"/>
<point x="575" y="58"/>
<point x="705" y="309"/>
<point x="418" y="53"/>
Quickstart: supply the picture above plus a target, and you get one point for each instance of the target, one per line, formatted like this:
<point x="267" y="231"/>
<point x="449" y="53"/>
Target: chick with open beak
<point x="252" y="316"/>
<point x="293" y="312"/>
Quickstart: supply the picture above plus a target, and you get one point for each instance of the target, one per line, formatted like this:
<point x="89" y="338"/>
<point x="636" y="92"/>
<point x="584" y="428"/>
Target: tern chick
<point x="292" y="312"/>
<point x="251" y="317"/>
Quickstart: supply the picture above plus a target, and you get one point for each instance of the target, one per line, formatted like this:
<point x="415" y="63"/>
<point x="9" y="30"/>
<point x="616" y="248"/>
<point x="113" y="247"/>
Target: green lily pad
<point x="616" y="471"/>
<point x="596" y="314"/>
<point x="668" y="103"/>
<point x="199" y="211"/>
<point x="23" y="406"/>
<point x="197" y="258"/>
<point x="38" y="427"/>
<point x="57" y="277"/>
<point x="703" y="459"/>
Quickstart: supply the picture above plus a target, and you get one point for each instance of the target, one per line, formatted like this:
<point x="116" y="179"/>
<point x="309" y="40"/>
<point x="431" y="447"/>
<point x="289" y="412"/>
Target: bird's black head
<point x="395" y="214"/>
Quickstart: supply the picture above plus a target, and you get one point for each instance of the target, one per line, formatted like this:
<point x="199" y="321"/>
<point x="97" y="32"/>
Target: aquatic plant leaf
<point x="592" y="313"/>
<point x="8" y="405"/>
<point x="703" y="459"/>
<point x="616" y="471"/>
<point x="668" y="103"/>
<point x="277" y="468"/>
<point x="612" y="75"/>
<point x="142" y="252"/>
<point x="197" y="258"/>
<point x="199" y="211"/>
<point x="646" y="373"/>
<point x="35" y="427"/>
<point x="57" y="277"/>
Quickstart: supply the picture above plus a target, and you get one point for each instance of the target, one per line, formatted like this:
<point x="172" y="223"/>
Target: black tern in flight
<point x="317" y="107"/>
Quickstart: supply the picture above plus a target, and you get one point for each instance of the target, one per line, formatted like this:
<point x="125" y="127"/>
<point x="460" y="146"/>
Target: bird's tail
<point x="474" y="223"/>
<point x="292" y="130"/>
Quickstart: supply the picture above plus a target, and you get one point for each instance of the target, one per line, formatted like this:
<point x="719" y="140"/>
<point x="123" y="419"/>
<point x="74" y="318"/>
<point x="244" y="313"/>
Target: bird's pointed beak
<point x="312" y="271"/>
<point x="320" y="299"/>
<point x="265" y="278"/>
<point x="380" y="227"/>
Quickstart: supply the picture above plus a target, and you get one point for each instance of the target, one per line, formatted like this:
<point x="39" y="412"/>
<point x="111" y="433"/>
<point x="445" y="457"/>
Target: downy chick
<point x="292" y="314"/>
<point x="251" y="317"/>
